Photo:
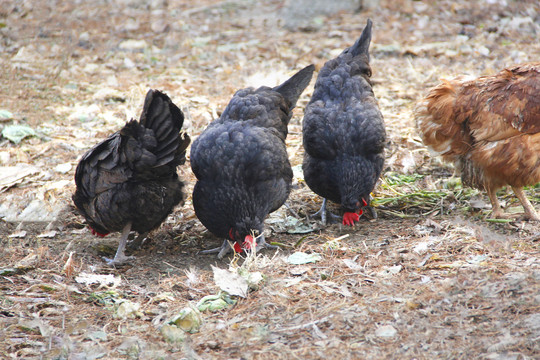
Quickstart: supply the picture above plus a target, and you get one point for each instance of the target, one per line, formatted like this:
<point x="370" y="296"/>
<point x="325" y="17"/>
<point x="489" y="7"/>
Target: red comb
<point x="350" y="217"/>
<point x="248" y="242"/>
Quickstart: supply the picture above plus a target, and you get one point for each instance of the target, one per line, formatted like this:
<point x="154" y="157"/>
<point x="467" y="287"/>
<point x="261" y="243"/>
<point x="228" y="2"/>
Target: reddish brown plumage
<point x="489" y="127"/>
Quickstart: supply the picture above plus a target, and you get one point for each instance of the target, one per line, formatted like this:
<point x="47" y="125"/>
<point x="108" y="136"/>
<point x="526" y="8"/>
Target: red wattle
<point x="94" y="232"/>
<point x="237" y="247"/>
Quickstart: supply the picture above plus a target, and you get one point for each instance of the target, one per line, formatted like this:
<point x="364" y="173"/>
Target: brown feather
<point x="489" y="126"/>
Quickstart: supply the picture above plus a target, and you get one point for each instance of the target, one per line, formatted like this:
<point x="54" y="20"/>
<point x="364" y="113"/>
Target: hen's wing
<point x="353" y="128"/>
<point x="501" y="106"/>
<point x="238" y="154"/>
<point x="437" y="123"/>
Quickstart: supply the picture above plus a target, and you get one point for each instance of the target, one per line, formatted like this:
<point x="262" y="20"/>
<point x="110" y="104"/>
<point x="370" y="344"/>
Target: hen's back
<point x="343" y="116"/>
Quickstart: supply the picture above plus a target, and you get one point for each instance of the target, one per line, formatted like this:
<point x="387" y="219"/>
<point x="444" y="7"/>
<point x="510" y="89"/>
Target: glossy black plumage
<point x="343" y="130"/>
<point x="129" y="181"/>
<point x="240" y="160"/>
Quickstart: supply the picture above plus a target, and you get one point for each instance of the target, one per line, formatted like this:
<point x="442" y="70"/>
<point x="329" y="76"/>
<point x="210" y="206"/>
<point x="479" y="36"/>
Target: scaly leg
<point x="530" y="212"/>
<point x="223" y="250"/>
<point x="322" y="213"/>
<point x="371" y="209"/>
<point x="120" y="257"/>
<point x="496" y="211"/>
<point x="137" y="242"/>
<point x="262" y="244"/>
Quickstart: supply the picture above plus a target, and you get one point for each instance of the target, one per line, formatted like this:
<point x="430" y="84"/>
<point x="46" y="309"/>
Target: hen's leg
<point x="223" y="250"/>
<point x="530" y="212"/>
<point x="322" y="213"/>
<point x="262" y="244"/>
<point x="120" y="256"/>
<point x="371" y="209"/>
<point x="137" y="242"/>
<point x="496" y="211"/>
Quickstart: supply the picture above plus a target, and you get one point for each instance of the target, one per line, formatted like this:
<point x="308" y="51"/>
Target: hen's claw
<point x="118" y="260"/>
<point x="322" y="213"/>
<point x="223" y="250"/>
<point x="262" y="244"/>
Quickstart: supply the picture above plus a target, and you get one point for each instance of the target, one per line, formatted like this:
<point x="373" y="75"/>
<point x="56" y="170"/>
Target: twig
<point x="367" y="277"/>
<point x="171" y="265"/>
<point x="303" y="326"/>
<point x="199" y="9"/>
<point x="341" y="237"/>
<point x="500" y="221"/>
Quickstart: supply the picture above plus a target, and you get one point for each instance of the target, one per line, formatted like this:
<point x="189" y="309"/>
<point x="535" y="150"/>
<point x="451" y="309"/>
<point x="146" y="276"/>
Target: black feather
<point x="240" y="160"/>
<point x="131" y="176"/>
<point x="343" y="129"/>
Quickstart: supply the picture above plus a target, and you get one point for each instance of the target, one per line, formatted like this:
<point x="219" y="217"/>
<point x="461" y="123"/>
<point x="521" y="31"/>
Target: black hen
<point x="343" y="132"/>
<point x="241" y="164"/>
<point x="129" y="181"/>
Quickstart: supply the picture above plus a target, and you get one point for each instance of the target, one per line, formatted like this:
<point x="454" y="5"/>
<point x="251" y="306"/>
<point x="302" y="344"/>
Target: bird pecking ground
<point x="431" y="277"/>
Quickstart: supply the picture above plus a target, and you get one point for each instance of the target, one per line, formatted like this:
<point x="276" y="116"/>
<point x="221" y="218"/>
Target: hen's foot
<point x="530" y="212"/>
<point x="120" y="257"/>
<point x="262" y="244"/>
<point x="323" y="212"/>
<point x="372" y="212"/>
<point x="223" y="250"/>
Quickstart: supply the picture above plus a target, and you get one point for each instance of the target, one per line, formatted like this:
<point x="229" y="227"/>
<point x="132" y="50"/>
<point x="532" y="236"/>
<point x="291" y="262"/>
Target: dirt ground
<point x="431" y="278"/>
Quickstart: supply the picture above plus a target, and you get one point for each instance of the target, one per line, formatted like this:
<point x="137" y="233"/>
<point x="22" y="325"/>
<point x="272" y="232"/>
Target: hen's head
<point x="352" y="210"/>
<point x="242" y="241"/>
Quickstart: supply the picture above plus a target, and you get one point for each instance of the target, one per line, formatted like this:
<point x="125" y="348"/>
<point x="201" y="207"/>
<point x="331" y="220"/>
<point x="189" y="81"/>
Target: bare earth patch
<point x="430" y="278"/>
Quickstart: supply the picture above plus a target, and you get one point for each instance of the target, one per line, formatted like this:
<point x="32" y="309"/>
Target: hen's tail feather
<point x="179" y="155"/>
<point x="162" y="116"/>
<point x="165" y="119"/>
<point x="362" y="44"/>
<point x="158" y="108"/>
<point x="441" y="128"/>
<point x="293" y="88"/>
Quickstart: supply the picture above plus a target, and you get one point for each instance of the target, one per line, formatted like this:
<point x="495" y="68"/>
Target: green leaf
<point x="299" y="258"/>
<point x="189" y="319"/>
<point x="172" y="334"/>
<point x="5" y="115"/>
<point x="15" y="133"/>
<point x="215" y="303"/>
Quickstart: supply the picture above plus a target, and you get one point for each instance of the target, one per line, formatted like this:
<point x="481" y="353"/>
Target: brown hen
<point x="490" y="128"/>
